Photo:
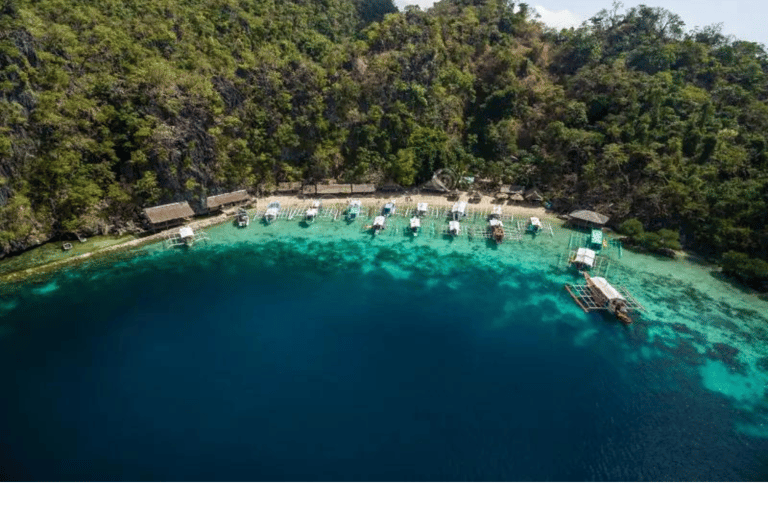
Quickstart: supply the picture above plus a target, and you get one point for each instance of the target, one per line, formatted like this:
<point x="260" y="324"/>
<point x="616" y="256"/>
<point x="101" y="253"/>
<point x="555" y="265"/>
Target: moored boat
<point x="454" y="228"/>
<point x="583" y="259"/>
<point x="273" y="210"/>
<point x="421" y="209"/>
<point x="187" y="236"/>
<point x="459" y="210"/>
<point x="312" y="211"/>
<point x="389" y="209"/>
<point x="497" y="212"/>
<point x="608" y="297"/>
<point x="242" y="218"/>
<point x="378" y="224"/>
<point x="415" y="225"/>
<point x="353" y="210"/>
<point x="497" y="230"/>
<point x="534" y="225"/>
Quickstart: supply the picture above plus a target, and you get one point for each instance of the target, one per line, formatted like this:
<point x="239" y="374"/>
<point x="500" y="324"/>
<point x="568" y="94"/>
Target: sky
<point x="744" y="19"/>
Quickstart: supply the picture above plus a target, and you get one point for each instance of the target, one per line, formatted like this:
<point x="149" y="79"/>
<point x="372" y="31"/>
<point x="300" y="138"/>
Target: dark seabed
<point x="319" y="356"/>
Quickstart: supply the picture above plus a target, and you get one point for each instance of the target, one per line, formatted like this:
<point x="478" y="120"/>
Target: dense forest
<point x="106" y="108"/>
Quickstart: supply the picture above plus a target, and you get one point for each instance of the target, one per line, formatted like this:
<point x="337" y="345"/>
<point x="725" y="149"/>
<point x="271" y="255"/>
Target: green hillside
<point x="104" y="110"/>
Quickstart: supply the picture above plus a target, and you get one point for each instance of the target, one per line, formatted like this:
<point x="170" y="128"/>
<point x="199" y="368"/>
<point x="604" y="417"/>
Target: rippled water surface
<point x="292" y="352"/>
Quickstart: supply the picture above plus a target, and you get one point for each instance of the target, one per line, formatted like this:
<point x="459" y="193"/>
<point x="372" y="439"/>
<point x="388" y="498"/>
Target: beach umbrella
<point x="501" y="196"/>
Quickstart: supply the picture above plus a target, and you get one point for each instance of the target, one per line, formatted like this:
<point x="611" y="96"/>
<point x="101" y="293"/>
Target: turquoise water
<point x="293" y="352"/>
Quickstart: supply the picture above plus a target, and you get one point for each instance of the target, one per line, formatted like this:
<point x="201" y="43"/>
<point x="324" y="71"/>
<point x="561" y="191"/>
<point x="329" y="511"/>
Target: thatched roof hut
<point x="588" y="218"/>
<point x="168" y="213"/>
<point x="435" y="185"/>
<point x="309" y="190"/>
<point x="512" y="189"/>
<point x="339" y="188"/>
<point x="230" y="198"/>
<point x="516" y="197"/>
<point x="363" y="188"/>
<point x="289" y="186"/>
<point x="533" y="195"/>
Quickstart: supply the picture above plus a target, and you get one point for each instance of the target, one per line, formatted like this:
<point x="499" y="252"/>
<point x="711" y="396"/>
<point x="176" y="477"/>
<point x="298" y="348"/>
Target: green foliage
<point x="632" y="228"/>
<point x="160" y="100"/>
<point x="752" y="271"/>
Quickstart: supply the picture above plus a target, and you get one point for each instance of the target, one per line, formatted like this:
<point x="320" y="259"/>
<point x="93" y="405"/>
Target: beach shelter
<point x="588" y="218"/>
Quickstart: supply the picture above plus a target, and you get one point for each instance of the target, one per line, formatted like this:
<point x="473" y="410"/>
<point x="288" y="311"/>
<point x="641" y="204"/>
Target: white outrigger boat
<point x="534" y="225"/>
<point x="421" y="209"/>
<point x="272" y="212"/>
<point x="497" y="230"/>
<point x="242" y="218"/>
<point x="187" y="236"/>
<point x="454" y="228"/>
<point x="353" y="210"/>
<point x="389" y="209"/>
<point x="584" y="259"/>
<point x="459" y="210"/>
<point x="497" y="212"/>
<point x="378" y="224"/>
<point x="415" y="225"/>
<point x="312" y="211"/>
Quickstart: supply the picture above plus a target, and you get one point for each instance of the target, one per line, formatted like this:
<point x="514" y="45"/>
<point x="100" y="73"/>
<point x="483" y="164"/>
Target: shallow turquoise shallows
<point x="318" y="352"/>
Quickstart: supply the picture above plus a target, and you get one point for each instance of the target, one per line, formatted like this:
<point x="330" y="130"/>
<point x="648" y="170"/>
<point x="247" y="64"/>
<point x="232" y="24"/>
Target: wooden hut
<point x="587" y="218"/>
<point x="532" y="195"/>
<point x="338" y="188"/>
<point x="512" y="189"/>
<point x="435" y="186"/>
<point x="363" y="188"/>
<point x="288" y="187"/>
<point x="168" y="214"/>
<point x="218" y="202"/>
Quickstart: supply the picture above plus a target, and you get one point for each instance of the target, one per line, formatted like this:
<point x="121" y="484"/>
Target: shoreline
<point x="286" y="201"/>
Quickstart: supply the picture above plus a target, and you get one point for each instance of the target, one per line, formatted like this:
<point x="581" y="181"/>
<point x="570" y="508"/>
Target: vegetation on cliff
<point x="107" y="109"/>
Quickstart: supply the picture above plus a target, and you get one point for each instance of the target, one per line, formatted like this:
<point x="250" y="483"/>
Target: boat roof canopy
<point x="459" y="207"/>
<point x="535" y="221"/>
<point x="495" y="222"/>
<point x="586" y="256"/>
<point x="422" y="207"/>
<point x="186" y="232"/>
<point x="497" y="210"/>
<point x="454" y="224"/>
<point x="379" y="220"/>
<point x="609" y="291"/>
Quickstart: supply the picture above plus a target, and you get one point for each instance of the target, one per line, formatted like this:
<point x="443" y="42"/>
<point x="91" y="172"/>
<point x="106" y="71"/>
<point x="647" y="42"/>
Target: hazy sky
<point x="744" y="19"/>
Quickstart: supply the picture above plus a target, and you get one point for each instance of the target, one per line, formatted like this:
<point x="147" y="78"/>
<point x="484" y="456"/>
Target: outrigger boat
<point x="421" y="209"/>
<point x="607" y="296"/>
<point x="353" y="210"/>
<point x="389" y="209"/>
<point x="312" y="211"/>
<point x="272" y="212"/>
<point x="415" y="225"/>
<point x="497" y="230"/>
<point x="187" y="236"/>
<point x="459" y="210"/>
<point x="454" y="228"/>
<point x="242" y="218"/>
<point x="497" y="212"/>
<point x="534" y="225"/>
<point x="378" y="224"/>
<point x="584" y="259"/>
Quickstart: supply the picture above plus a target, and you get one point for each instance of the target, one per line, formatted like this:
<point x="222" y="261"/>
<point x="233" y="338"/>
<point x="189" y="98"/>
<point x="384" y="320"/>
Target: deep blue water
<point x="278" y="362"/>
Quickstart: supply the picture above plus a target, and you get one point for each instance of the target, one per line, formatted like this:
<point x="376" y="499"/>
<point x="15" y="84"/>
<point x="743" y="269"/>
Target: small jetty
<point x="378" y="224"/>
<point x="242" y="219"/>
<point x="273" y="210"/>
<point x="598" y="294"/>
<point x="415" y="225"/>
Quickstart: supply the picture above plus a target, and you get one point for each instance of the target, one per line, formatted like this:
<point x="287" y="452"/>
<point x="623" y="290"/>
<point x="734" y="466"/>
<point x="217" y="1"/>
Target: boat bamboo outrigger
<point x="598" y="294"/>
<point x="273" y="210"/>
<point x="459" y="210"/>
<point x="415" y="225"/>
<point x="421" y="209"/>
<point x="242" y="219"/>
<point x="389" y="209"/>
<point x="534" y="225"/>
<point x="497" y="230"/>
<point x="353" y="210"/>
<point x="378" y="224"/>
<point x="312" y="211"/>
<point x="454" y="228"/>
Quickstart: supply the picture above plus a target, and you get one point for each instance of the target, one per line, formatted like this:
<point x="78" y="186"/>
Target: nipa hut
<point x="168" y="214"/>
<point x="533" y="195"/>
<point x="363" y="188"/>
<point x="339" y="188"/>
<point x="288" y="187"/>
<point x="218" y="202"/>
<point x="588" y="218"/>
